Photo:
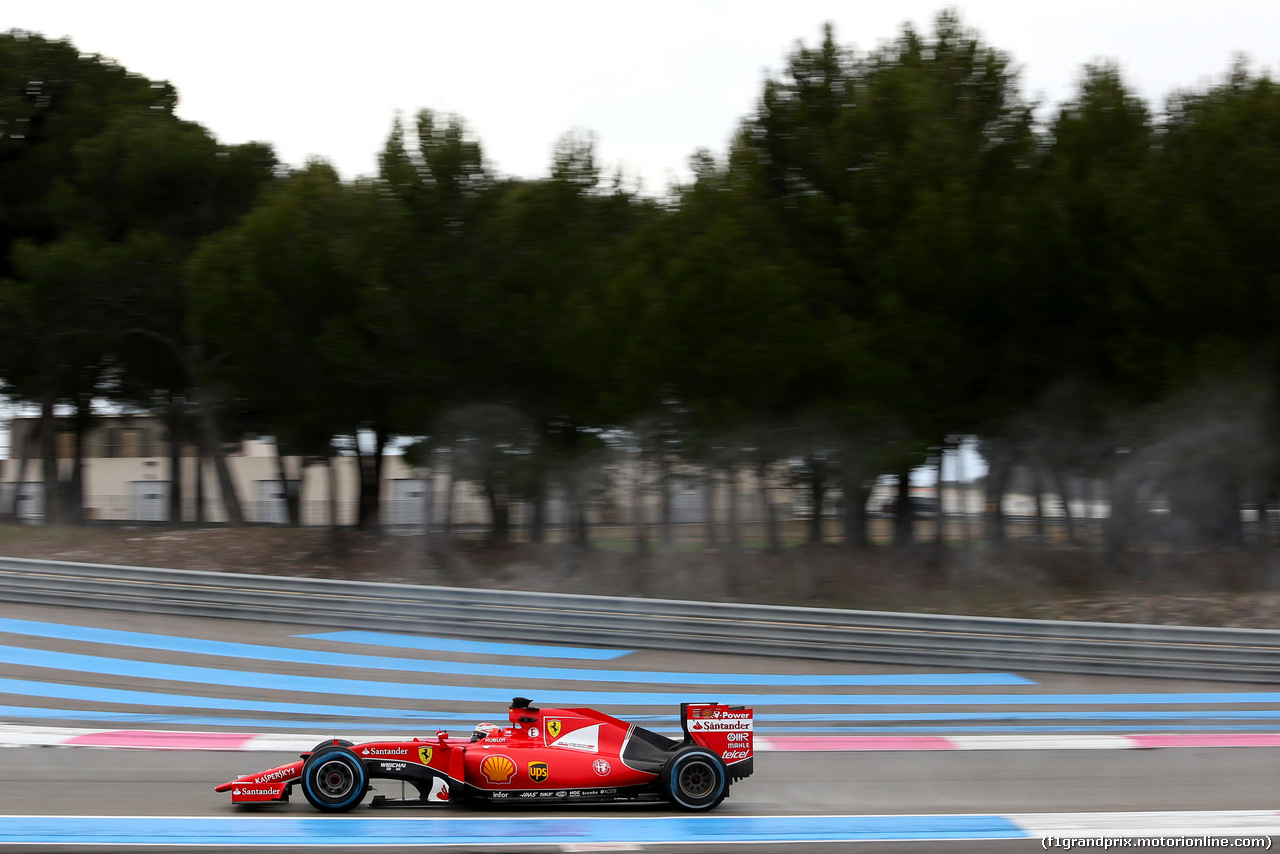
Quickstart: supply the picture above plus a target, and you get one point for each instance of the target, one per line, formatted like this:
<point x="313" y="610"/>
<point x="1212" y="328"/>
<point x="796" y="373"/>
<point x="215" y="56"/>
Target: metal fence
<point x="1242" y="655"/>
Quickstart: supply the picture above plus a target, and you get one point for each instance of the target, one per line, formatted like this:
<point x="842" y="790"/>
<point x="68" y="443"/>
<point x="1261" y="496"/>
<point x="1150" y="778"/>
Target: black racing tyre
<point x="334" y="779"/>
<point x="695" y="779"/>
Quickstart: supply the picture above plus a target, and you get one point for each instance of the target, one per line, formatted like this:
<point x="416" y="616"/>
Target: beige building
<point x="127" y="478"/>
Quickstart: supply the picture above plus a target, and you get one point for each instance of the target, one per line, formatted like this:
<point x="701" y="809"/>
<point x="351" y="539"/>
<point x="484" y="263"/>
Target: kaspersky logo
<point x="424" y="755"/>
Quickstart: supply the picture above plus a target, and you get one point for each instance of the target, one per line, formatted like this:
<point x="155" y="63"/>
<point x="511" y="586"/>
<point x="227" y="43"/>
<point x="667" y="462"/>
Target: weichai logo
<point x="538" y="771"/>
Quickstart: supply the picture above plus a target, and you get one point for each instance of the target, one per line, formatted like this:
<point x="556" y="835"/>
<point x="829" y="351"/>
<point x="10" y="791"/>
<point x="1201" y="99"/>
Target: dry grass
<point x="1218" y="589"/>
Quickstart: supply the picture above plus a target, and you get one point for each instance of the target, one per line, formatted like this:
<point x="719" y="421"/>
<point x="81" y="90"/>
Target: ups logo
<point x="538" y="771"/>
<point x="424" y="755"/>
<point x="553" y="729"/>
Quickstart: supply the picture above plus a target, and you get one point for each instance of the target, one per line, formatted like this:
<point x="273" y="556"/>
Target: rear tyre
<point x="334" y="779"/>
<point x="695" y="779"/>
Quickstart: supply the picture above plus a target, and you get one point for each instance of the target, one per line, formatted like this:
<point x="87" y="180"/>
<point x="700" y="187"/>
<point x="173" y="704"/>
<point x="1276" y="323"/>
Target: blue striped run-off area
<point x="371" y="704"/>
<point x="358" y="832"/>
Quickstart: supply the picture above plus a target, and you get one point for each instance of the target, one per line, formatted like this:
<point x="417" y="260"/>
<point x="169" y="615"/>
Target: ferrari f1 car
<point x="542" y="755"/>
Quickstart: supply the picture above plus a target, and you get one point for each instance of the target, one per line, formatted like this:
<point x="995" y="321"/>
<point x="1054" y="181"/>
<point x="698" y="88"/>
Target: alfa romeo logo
<point x="602" y="767"/>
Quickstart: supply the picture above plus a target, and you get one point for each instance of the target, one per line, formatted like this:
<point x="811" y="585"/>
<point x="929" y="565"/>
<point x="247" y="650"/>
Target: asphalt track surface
<point x="166" y="673"/>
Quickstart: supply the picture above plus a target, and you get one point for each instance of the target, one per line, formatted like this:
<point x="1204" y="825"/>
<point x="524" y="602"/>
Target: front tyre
<point x="695" y="779"/>
<point x="334" y="779"/>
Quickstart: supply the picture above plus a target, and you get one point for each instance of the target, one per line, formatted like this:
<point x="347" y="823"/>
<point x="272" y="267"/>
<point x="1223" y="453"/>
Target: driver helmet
<point x="484" y="730"/>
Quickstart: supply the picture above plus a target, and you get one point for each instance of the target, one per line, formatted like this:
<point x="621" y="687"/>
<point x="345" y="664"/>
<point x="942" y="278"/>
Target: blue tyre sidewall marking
<point x="707" y="757"/>
<point x="362" y="780"/>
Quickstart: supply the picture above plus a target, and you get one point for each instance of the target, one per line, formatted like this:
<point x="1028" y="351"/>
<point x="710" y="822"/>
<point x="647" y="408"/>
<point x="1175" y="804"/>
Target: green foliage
<point x="892" y="254"/>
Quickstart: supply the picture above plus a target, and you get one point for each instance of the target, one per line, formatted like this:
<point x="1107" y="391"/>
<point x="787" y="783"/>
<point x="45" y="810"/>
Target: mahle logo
<point x="424" y="755"/>
<point x="553" y="729"/>
<point x="538" y="771"/>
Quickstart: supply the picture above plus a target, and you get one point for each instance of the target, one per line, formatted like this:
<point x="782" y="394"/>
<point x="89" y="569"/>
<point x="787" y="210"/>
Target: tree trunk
<point x="538" y="510"/>
<point x="20" y="476"/>
<point x="499" y="509"/>
<point x="199" y="508"/>
<point x="428" y="511"/>
<point x="638" y="514"/>
<point x="212" y="443"/>
<point x="999" y="466"/>
<point x="709" y="510"/>
<point x="818" y="496"/>
<point x="904" y="516"/>
<point x="448" y="507"/>
<point x="290" y="517"/>
<point x="1037" y="484"/>
<point x="75" y="486"/>
<point x="733" y="564"/>
<point x="580" y="519"/>
<point x="574" y="526"/>
<point x="49" y="462"/>
<point x="766" y="500"/>
<point x="940" y="514"/>
<point x="446" y="537"/>
<point x="964" y="492"/>
<point x="335" y="530"/>
<point x="175" y="462"/>
<point x="370" y="481"/>
<point x="664" y="468"/>
<point x="856" y="494"/>
<point x="1065" y="498"/>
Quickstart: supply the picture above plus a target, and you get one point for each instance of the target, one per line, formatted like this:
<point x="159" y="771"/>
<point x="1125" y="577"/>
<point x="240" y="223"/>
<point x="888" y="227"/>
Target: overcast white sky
<point x="654" y="81"/>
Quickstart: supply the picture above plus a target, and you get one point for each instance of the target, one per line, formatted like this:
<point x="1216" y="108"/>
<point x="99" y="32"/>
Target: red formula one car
<point x="544" y="755"/>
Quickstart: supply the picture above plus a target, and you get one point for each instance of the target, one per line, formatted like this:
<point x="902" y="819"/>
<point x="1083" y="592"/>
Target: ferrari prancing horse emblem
<point x="553" y="729"/>
<point x="424" y="754"/>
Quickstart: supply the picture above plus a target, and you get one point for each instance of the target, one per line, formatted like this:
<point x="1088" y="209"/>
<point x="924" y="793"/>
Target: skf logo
<point x="424" y="755"/>
<point x="538" y="771"/>
<point x="498" y="769"/>
<point x="553" y="729"/>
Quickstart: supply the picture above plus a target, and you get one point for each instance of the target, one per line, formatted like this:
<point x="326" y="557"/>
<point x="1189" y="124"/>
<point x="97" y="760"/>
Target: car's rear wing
<point x="728" y="730"/>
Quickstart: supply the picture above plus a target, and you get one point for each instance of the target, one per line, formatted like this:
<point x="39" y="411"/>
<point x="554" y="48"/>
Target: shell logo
<point x="498" y="769"/>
